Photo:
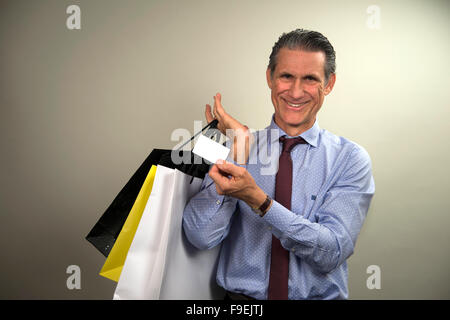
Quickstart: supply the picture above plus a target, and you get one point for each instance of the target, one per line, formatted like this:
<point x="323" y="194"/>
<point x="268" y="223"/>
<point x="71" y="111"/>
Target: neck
<point x="294" y="131"/>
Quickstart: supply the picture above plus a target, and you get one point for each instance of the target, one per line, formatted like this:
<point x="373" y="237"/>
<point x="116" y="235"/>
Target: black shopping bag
<point x="105" y="232"/>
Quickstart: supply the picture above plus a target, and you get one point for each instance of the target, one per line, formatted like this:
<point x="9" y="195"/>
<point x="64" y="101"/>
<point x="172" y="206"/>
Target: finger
<point x="215" y="109"/>
<point x="218" y="178"/>
<point x="214" y="175"/>
<point x="229" y="168"/>
<point x="208" y="114"/>
<point x="219" y="190"/>
<point x="218" y="108"/>
<point x="211" y="116"/>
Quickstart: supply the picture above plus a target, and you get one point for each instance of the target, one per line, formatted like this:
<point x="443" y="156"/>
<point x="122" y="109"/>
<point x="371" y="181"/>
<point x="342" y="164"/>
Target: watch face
<point x="257" y="211"/>
<point x="261" y="210"/>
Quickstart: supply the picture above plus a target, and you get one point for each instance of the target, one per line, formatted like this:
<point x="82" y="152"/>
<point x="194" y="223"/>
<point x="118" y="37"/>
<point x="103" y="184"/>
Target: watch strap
<point x="263" y="207"/>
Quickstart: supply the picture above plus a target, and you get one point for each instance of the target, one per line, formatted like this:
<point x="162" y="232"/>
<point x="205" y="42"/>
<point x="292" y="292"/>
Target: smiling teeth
<point x="294" y="105"/>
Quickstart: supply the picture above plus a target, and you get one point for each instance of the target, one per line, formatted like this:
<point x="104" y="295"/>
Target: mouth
<point x="295" y="106"/>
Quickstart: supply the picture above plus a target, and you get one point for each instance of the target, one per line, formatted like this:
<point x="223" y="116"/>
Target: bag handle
<point x="211" y="125"/>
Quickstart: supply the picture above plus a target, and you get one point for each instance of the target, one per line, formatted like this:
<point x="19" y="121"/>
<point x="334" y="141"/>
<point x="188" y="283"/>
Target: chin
<point x="285" y="124"/>
<point x="293" y="120"/>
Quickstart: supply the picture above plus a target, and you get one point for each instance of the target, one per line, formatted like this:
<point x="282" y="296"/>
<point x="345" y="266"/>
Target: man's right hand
<point x="233" y="129"/>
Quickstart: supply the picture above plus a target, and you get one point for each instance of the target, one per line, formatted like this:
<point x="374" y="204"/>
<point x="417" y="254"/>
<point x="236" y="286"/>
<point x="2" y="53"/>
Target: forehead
<point x="300" y="61"/>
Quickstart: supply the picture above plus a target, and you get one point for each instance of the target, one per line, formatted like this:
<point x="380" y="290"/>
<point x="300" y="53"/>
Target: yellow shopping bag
<point x="116" y="258"/>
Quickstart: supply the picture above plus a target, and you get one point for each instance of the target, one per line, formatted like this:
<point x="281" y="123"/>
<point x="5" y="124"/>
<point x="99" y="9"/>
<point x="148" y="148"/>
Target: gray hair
<point x="305" y="40"/>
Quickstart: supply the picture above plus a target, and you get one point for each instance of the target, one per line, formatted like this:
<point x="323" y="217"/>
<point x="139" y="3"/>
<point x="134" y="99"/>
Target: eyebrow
<point x="315" y="77"/>
<point x="309" y="75"/>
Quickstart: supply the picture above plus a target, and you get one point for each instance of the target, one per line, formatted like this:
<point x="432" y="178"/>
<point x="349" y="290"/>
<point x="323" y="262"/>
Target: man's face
<point x="298" y="89"/>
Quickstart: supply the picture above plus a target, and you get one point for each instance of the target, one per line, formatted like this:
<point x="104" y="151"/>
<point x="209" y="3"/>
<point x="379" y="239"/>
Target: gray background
<point x="81" y="109"/>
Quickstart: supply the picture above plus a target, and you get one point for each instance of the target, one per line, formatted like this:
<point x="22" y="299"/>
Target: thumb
<point x="208" y="114"/>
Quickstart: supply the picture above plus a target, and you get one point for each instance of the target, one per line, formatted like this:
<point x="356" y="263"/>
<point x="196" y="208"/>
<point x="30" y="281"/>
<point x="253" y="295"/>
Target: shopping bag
<point x="116" y="258"/>
<point x="189" y="273"/>
<point x="161" y="263"/>
<point x="105" y="232"/>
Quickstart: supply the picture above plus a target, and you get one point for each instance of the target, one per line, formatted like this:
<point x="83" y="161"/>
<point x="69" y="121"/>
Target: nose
<point x="296" y="90"/>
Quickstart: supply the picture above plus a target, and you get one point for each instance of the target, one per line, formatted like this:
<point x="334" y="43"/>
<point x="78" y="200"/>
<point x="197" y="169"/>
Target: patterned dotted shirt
<point x="332" y="189"/>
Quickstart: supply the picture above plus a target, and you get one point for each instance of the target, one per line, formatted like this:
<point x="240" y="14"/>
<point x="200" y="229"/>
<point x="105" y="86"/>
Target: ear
<point x="269" y="78"/>
<point x="330" y="84"/>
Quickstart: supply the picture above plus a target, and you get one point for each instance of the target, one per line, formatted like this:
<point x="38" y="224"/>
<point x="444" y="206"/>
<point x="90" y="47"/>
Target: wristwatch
<point x="261" y="211"/>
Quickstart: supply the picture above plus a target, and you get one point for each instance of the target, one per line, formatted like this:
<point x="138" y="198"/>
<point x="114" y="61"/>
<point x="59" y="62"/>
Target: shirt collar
<point x="311" y="135"/>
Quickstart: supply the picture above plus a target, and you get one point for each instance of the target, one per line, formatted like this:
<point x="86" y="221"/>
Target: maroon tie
<point x="279" y="262"/>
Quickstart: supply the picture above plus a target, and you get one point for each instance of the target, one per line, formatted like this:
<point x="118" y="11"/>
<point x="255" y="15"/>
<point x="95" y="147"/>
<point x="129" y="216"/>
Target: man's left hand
<point x="236" y="182"/>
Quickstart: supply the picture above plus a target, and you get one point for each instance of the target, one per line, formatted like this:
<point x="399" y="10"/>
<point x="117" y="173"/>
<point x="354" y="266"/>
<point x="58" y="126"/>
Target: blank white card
<point x="210" y="150"/>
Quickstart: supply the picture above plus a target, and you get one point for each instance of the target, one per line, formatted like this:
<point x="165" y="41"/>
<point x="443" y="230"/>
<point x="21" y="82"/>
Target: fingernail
<point x="220" y="161"/>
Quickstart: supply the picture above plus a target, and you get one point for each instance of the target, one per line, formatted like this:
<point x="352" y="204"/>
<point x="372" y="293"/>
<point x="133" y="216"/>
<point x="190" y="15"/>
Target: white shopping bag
<point x="161" y="263"/>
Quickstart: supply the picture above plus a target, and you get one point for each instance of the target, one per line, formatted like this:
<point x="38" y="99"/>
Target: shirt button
<point x="269" y="228"/>
<point x="292" y="250"/>
<point x="218" y="202"/>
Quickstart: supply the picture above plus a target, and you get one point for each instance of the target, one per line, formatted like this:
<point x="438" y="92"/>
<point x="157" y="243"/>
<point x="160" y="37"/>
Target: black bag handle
<point x="192" y="166"/>
<point x="211" y="125"/>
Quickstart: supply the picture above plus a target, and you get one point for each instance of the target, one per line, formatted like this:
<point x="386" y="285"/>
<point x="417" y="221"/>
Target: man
<point x="286" y="235"/>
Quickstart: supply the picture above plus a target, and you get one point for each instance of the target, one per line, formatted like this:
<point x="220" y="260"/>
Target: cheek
<point x="280" y="87"/>
<point x="316" y="92"/>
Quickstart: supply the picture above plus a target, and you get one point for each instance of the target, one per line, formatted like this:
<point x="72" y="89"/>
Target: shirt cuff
<point x="289" y="226"/>
<point x="279" y="218"/>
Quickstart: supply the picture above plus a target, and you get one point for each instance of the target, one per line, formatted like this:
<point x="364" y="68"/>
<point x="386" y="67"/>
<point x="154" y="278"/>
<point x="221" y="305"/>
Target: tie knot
<point x="289" y="143"/>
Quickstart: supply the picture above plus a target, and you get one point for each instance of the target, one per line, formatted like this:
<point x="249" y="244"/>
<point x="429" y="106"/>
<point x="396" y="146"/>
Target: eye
<point x="311" y="78"/>
<point x="286" y="76"/>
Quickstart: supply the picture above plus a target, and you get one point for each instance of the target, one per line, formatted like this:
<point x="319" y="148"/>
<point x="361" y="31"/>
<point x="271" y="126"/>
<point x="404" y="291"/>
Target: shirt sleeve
<point x="328" y="242"/>
<point x="207" y="215"/>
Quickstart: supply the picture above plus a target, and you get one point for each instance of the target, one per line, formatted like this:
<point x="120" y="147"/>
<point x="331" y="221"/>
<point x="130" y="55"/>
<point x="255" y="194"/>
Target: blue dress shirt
<point x="332" y="189"/>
